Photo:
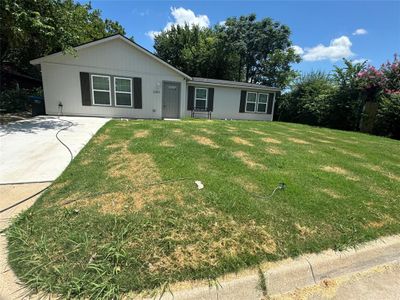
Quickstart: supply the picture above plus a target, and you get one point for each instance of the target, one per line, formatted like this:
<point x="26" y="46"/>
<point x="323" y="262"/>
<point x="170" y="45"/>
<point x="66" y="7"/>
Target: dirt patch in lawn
<point x="321" y="140"/>
<point x="349" y="153"/>
<point x="248" y="161"/>
<point x="206" y="243"/>
<point x="298" y="141"/>
<point x="276" y="151"/>
<point x="340" y="171"/>
<point x="331" y="193"/>
<point x="141" y="133"/>
<point x="177" y="130"/>
<point x="208" y="131"/>
<point x="256" y="131"/>
<point x="384" y="220"/>
<point x="246" y="184"/>
<point x="241" y="141"/>
<point x="167" y="143"/>
<point x="101" y="138"/>
<point x="271" y="140"/>
<point x="381" y="171"/>
<point x="304" y="231"/>
<point x="202" y="140"/>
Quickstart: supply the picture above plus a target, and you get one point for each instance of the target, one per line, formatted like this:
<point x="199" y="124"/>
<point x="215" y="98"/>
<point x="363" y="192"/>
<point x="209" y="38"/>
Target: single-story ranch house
<point x="115" y="77"/>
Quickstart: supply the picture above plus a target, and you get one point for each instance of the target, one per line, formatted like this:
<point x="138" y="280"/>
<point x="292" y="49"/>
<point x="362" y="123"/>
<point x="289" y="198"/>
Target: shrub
<point x="387" y="121"/>
<point x="16" y="100"/>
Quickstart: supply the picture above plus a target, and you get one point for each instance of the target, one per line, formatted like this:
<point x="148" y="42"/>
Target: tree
<point x="30" y="29"/>
<point x="194" y="50"/>
<point x="308" y="100"/>
<point x="263" y="48"/>
<point x="347" y="104"/>
<point x="242" y="49"/>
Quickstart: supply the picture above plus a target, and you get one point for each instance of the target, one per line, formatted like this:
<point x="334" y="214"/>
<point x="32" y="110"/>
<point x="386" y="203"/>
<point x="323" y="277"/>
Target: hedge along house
<point x="115" y="77"/>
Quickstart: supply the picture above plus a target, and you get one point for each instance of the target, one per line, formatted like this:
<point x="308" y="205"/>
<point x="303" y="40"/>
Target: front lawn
<point x="126" y="215"/>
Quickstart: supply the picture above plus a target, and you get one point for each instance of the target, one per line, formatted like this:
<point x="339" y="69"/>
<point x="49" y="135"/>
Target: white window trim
<point x="266" y="103"/>
<point x="247" y="101"/>
<point x="201" y="99"/>
<point x="256" y="103"/>
<point x="121" y="92"/>
<point x="98" y="90"/>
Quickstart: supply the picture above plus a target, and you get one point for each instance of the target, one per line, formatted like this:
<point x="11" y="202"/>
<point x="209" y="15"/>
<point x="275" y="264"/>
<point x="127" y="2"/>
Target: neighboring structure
<point x="115" y="77"/>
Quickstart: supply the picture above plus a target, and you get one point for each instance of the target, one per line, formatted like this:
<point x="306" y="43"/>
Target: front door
<point x="171" y="92"/>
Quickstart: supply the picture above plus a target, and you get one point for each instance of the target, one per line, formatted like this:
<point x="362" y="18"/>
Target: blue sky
<point x="323" y="31"/>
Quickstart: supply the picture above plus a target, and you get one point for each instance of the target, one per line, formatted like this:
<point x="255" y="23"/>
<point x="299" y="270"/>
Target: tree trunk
<point x="368" y="116"/>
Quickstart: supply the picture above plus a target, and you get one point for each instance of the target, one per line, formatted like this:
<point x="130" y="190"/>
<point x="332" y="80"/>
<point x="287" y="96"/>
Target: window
<point x="262" y="103"/>
<point x="251" y="101"/>
<point x="256" y="102"/>
<point x="123" y="91"/>
<point x="101" y="93"/>
<point x="200" y="98"/>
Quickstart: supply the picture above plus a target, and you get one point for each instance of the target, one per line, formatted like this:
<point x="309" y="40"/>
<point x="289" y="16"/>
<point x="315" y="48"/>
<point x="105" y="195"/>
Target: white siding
<point x="226" y="105"/>
<point x="61" y="80"/>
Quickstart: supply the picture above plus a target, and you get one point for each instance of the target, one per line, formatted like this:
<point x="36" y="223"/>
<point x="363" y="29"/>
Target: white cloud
<point x="152" y="34"/>
<point x="337" y="49"/>
<point x="222" y="23"/>
<point x="360" y="31"/>
<point x="361" y="60"/>
<point x="181" y="17"/>
<point x="298" y="50"/>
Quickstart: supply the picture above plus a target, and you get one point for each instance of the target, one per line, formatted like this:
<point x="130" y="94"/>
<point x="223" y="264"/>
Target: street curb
<point x="289" y="275"/>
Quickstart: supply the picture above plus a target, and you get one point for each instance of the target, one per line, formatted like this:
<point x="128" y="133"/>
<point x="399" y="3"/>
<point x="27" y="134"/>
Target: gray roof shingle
<point x="236" y="84"/>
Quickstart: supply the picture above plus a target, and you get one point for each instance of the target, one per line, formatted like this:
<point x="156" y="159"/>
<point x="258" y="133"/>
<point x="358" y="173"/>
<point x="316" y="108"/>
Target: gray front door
<point x="171" y="92"/>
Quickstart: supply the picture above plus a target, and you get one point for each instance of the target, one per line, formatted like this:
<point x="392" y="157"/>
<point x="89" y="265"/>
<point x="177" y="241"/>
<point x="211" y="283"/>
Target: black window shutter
<point x="190" y="100"/>
<point x="242" y="106"/>
<point x="270" y="103"/>
<point x="210" y="99"/>
<point x="85" y="88"/>
<point x="137" y="92"/>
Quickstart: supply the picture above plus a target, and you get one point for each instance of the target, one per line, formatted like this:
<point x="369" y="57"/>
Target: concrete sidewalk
<point x="328" y="275"/>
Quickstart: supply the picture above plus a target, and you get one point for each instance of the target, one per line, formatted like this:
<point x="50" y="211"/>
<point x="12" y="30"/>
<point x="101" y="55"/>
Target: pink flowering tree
<point x="380" y="87"/>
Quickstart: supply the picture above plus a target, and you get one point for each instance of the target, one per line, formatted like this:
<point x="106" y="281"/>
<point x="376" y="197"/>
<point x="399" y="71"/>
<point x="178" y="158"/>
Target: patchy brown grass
<point x="209" y="243"/>
<point x="320" y="140"/>
<point x="247" y="184"/>
<point x="340" y="171"/>
<point x="208" y="131"/>
<point x="167" y="143"/>
<point x="141" y="133"/>
<point x="177" y="130"/>
<point x="271" y="140"/>
<point x="331" y="193"/>
<point x="248" y="161"/>
<point x="256" y="131"/>
<point x="202" y="140"/>
<point x="276" y="151"/>
<point x="304" y="231"/>
<point x="298" y="141"/>
<point x="385" y="220"/>
<point x="240" y="141"/>
<point x="381" y="171"/>
<point x="349" y="153"/>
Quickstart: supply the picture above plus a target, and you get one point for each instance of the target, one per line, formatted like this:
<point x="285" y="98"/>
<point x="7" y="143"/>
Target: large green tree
<point x="196" y="51"/>
<point x="33" y="28"/>
<point x="263" y="48"/>
<point x="242" y="49"/>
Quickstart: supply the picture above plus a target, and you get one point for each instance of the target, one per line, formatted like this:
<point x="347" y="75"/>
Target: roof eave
<point x="39" y="60"/>
<point x="234" y="85"/>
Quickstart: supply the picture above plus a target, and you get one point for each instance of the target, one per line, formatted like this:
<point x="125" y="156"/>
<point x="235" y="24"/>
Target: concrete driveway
<point x="30" y="151"/>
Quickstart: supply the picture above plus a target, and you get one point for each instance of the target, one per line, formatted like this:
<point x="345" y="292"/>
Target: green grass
<point x="126" y="216"/>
